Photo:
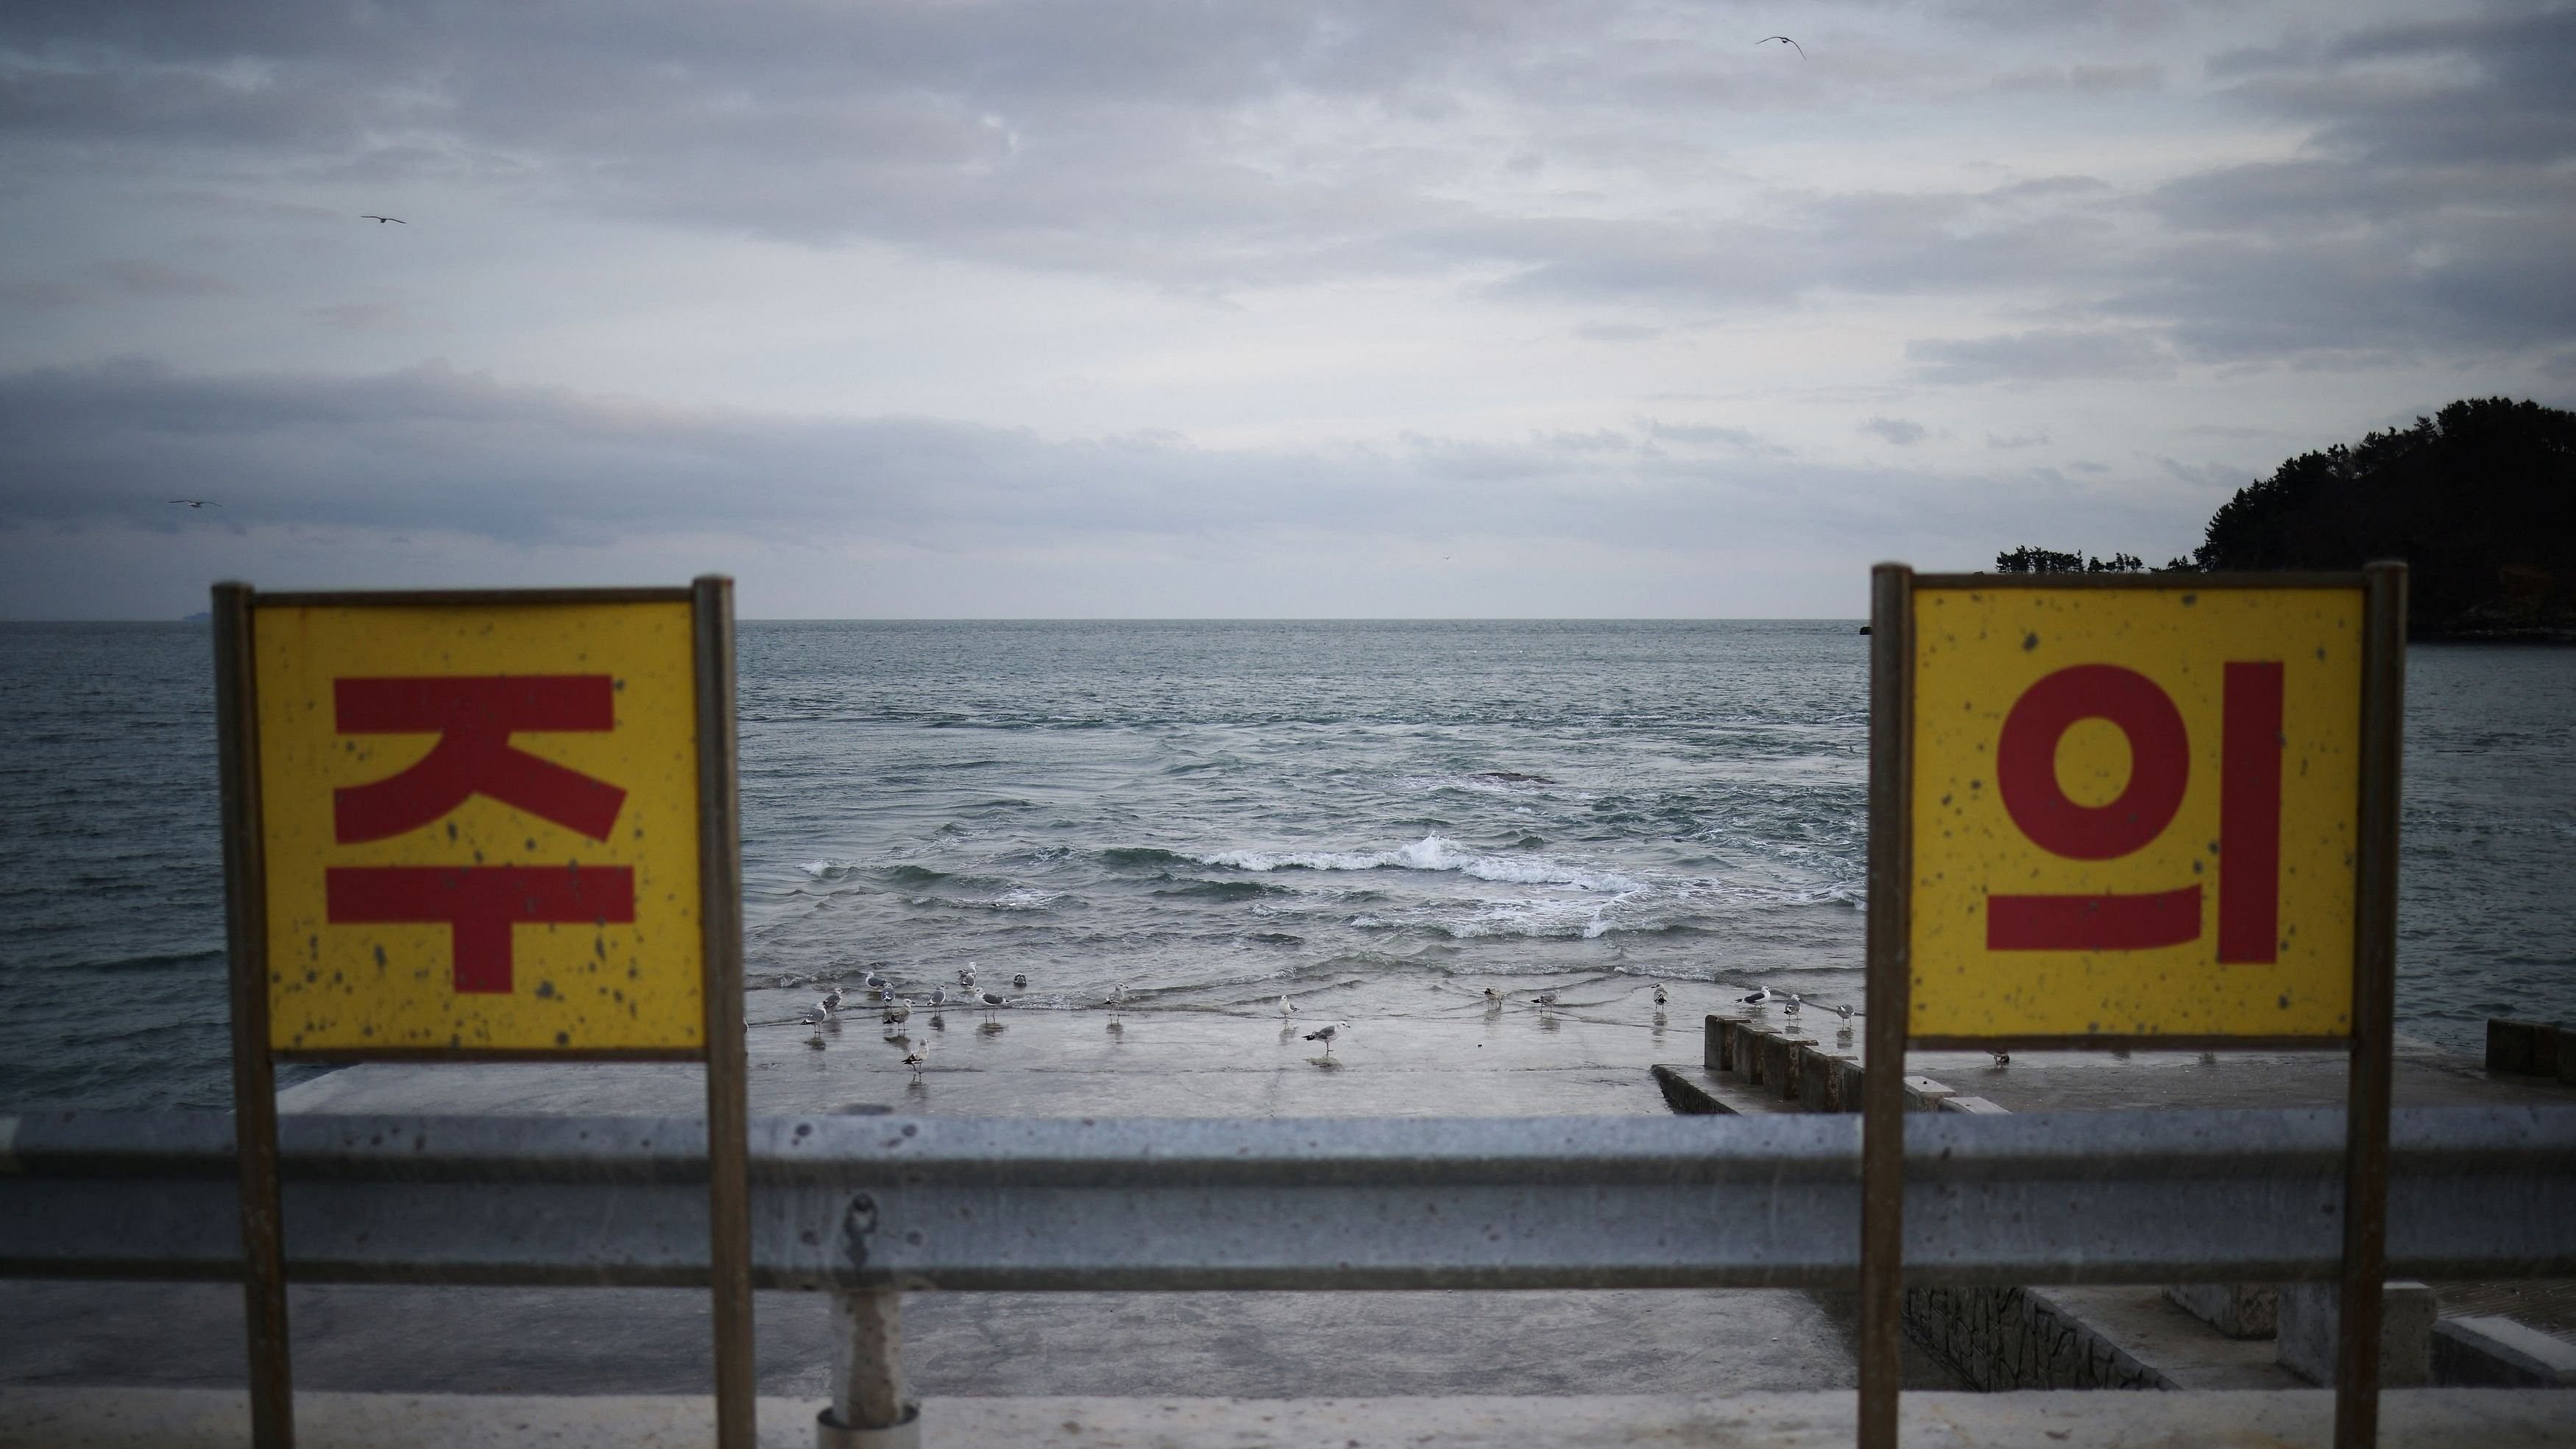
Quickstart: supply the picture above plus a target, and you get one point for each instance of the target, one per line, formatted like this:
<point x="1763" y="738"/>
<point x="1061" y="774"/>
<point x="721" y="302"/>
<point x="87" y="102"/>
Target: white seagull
<point x="939" y="996"/>
<point x="1766" y="40"/>
<point x="1762" y="997"/>
<point x="1545" y="998"/>
<point x="831" y="1001"/>
<point x="1844" y="1011"/>
<point x="875" y="980"/>
<point x="1492" y="995"/>
<point x="1795" y="1001"/>
<point x="1660" y="998"/>
<point x="1327" y="1034"/>
<point x="1286" y="1007"/>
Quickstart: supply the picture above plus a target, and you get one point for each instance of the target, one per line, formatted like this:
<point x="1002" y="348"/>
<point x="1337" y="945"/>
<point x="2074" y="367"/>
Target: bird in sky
<point x="198" y="502"/>
<point x="1766" y="40"/>
<point x="381" y="220"/>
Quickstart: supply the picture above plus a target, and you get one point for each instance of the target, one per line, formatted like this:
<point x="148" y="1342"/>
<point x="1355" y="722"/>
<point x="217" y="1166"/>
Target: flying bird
<point x="198" y="502"/>
<point x="1766" y="40"/>
<point x="381" y="220"/>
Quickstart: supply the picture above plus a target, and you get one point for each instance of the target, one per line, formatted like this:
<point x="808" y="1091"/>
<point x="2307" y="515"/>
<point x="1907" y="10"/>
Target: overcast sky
<point x="1151" y="308"/>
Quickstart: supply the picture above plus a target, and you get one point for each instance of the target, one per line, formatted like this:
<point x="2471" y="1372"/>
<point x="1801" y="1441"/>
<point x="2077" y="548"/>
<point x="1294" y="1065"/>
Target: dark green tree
<point x="2479" y="500"/>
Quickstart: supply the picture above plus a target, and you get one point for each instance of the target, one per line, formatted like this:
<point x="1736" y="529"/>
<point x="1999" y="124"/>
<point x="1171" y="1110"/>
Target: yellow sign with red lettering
<point x="481" y="827"/>
<point x="2135" y="810"/>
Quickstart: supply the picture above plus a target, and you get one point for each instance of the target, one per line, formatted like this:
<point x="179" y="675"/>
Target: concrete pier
<point x="2190" y="1336"/>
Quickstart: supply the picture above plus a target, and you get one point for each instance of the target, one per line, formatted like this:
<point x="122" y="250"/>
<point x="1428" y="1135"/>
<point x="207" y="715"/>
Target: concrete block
<point x="2493" y="1352"/>
<point x="1749" y="1056"/>
<point x="1971" y="1106"/>
<point x="1922" y="1094"/>
<point x="1815" y="1078"/>
<point x="1712" y="1051"/>
<point x="1837" y="1076"/>
<point x="2307" y="1333"/>
<point x="1780" y="1064"/>
<point x="2566" y="1057"/>
<point x="2525" y="1048"/>
<point x="2239" y="1310"/>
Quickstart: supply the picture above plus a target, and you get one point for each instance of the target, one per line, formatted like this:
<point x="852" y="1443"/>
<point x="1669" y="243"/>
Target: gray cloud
<point x="2038" y="356"/>
<point x="1900" y="431"/>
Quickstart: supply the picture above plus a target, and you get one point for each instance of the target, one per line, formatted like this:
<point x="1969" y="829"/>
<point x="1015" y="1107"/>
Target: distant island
<point x="2479" y="500"/>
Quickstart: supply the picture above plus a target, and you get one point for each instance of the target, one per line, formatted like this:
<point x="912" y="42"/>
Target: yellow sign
<point x="481" y="827"/>
<point x="2135" y="810"/>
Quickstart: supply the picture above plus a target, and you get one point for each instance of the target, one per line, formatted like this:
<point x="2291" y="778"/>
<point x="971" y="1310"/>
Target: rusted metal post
<point x="728" y="1106"/>
<point x="868" y="1407"/>
<point x="272" y="1386"/>
<point x="1882" y="1246"/>
<point x="2374" y="977"/>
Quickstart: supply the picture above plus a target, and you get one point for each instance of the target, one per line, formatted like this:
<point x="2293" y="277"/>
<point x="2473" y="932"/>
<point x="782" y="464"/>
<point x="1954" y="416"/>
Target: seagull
<point x="198" y="502"/>
<point x="901" y="1013"/>
<point x="991" y="1001"/>
<point x="1766" y="40"/>
<point x="831" y="1001"/>
<point x="1327" y="1034"/>
<point x="1762" y="997"/>
<point x="1795" y="1001"/>
<point x="875" y="980"/>
<point x="1660" y="998"/>
<point x="1545" y="998"/>
<point x="939" y="996"/>
<point x="1020" y="979"/>
<point x="2002" y="1059"/>
<point x="1117" y="997"/>
<point x="1492" y="995"/>
<point x="966" y="977"/>
<point x="1844" y="1011"/>
<point x="381" y="220"/>
<point x="915" y="1057"/>
<point x="1286" y="1007"/>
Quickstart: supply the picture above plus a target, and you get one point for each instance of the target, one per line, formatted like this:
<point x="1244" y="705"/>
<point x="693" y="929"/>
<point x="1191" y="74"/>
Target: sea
<point x="1214" y="814"/>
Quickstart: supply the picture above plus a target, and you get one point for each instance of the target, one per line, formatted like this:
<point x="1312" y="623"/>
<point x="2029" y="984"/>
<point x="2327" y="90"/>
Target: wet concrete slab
<point x="2300" y="1419"/>
<point x="1410" y="1051"/>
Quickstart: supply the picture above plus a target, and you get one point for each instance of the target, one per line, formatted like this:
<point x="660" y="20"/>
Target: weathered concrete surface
<point x="2238" y="1310"/>
<point x="1411" y="1052"/>
<point x="2310" y="1328"/>
<point x="2303" y="1419"/>
<point x="2483" y="1349"/>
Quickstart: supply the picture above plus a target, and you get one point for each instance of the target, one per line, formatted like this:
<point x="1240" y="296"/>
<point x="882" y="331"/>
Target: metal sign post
<point x="479" y="827"/>
<point x="2133" y="811"/>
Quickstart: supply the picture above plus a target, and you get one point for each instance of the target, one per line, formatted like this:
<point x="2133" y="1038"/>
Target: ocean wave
<point x="829" y="869"/>
<point x="1430" y="853"/>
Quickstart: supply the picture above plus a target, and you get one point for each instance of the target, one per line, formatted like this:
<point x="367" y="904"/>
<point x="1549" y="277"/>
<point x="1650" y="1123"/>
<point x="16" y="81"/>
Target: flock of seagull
<point x="895" y="1012"/>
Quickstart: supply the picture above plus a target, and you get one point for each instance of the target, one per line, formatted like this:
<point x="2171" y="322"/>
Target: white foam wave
<point x="1434" y="853"/>
<point x="828" y="869"/>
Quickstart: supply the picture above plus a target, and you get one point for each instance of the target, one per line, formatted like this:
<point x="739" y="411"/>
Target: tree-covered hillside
<point x="2479" y="500"/>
